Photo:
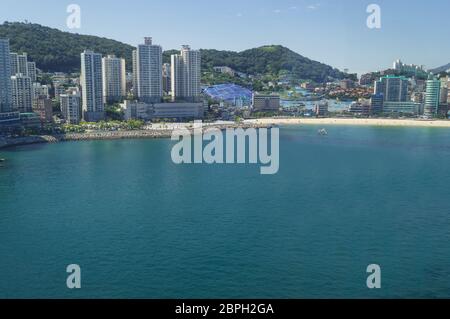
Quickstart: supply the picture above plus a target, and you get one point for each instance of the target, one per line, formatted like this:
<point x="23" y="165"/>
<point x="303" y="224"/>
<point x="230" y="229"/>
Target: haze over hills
<point x="54" y="50"/>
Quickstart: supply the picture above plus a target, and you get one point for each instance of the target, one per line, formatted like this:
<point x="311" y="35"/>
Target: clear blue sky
<point x="330" y="31"/>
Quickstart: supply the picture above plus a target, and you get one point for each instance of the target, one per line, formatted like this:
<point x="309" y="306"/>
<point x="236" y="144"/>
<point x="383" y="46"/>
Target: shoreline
<point x="355" y="122"/>
<point x="9" y="142"/>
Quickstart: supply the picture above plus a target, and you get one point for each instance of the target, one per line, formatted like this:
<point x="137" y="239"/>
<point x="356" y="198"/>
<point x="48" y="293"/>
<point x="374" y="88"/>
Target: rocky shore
<point x="110" y="135"/>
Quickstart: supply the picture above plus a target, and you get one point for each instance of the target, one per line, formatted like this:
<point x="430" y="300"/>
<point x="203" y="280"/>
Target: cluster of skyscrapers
<point x="19" y="91"/>
<point x="392" y="94"/>
<point x="103" y="80"/>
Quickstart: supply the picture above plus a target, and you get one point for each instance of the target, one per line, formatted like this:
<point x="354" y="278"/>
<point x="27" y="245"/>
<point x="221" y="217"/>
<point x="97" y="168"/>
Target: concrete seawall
<point x="109" y="135"/>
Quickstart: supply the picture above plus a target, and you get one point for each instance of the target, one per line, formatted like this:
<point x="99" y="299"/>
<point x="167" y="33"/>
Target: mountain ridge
<point x="441" y="69"/>
<point x="55" y="50"/>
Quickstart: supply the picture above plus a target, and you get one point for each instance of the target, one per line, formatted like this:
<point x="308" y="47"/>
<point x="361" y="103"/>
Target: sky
<point x="334" y="32"/>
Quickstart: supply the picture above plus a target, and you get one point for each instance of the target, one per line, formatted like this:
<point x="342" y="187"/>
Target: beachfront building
<point x="321" y="109"/>
<point x="406" y="107"/>
<point x="265" y="102"/>
<point x="5" y="77"/>
<point x="148" y="72"/>
<point x="114" y="79"/>
<point x="360" y="108"/>
<point x="22" y="92"/>
<point x="393" y="88"/>
<point x="443" y="100"/>
<point x="71" y="107"/>
<point x="432" y="97"/>
<point x="147" y="111"/>
<point x="376" y="104"/>
<point x="136" y="110"/>
<point x="186" y="75"/>
<point x="42" y="106"/>
<point x="178" y="110"/>
<point x="92" y="86"/>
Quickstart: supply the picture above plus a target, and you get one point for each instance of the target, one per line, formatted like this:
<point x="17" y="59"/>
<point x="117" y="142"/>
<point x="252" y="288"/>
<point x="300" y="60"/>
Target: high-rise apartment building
<point x="42" y="106"/>
<point x="13" y="60"/>
<point x="22" y="92"/>
<point x="40" y="90"/>
<point x="393" y="88"/>
<point x="376" y="104"/>
<point x="186" y="75"/>
<point x="432" y="97"/>
<point x="31" y="71"/>
<point x="92" y="86"/>
<point x="114" y="79"/>
<point x="167" y="75"/>
<point x="135" y="74"/>
<point x="5" y="77"/>
<point x="71" y="107"/>
<point x="149" y="72"/>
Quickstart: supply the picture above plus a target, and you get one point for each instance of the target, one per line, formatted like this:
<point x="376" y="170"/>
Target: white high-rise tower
<point x="22" y="91"/>
<point x="186" y="75"/>
<point x="92" y="86"/>
<point x="149" y="72"/>
<point x="114" y="79"/>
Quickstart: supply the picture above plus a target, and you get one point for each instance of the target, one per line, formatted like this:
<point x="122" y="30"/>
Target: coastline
<point x="7" y="142"/>
<point x="350" y="121"/>
<point x="166" y="132"/>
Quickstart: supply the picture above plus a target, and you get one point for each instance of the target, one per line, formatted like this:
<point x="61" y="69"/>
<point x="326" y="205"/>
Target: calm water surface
<point x="140" y="226"/>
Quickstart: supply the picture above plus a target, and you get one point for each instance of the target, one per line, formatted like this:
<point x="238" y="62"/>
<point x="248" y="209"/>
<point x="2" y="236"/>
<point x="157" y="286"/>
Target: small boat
<point x="323" y="132"/>
<point x="2" y="160"/>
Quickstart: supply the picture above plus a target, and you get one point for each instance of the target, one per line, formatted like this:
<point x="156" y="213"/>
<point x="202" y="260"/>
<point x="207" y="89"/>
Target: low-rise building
<point x="136" y="110"/>
<point x="376" y="104"/>
<point x="407" y="107"/>
<point x="148" y="111"/>
<point x="321" y="109"/>
<point x="71" y="107"/>
<point x="42" y="106"/>
<point x="266" y="102"/>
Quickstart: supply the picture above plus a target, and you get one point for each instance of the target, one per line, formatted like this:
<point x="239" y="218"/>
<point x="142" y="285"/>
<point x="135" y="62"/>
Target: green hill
<point x="272" y="60"/>
<point x="54" y="50"/>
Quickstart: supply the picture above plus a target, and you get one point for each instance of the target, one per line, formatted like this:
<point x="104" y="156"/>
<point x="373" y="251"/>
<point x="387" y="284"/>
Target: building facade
<point x="393" y="88"/>
<point x="92" y="86"/>
<point x="114" y="79"/>
<point x="406" y="107"/>
<point x="167" y="78"/>
<point x="40" y="90"/>
<point x="32" y="71"/>
<point x="5" y="78"/>
<point x="71" y="107"/>
<point x="147" y="111"/>
<point x="149" y="72"/>
<point x="432" y="97"/>
<point x="22" y="92"/>
<point x="186" y="75"/>
<point x="264" y="102"/>
<point x="376" y="104"/>
<point x="42" y="106"/>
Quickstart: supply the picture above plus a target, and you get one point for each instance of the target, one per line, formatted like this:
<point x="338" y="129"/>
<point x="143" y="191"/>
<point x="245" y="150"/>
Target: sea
<point x="140" y="226"/>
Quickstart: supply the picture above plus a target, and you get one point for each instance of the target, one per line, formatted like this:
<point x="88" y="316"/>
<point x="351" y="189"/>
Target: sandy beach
<point x="363" y="122"/>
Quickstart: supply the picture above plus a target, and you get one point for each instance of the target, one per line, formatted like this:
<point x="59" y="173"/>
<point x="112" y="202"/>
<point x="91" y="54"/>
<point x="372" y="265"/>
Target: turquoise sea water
<point x="142" y="227"/>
